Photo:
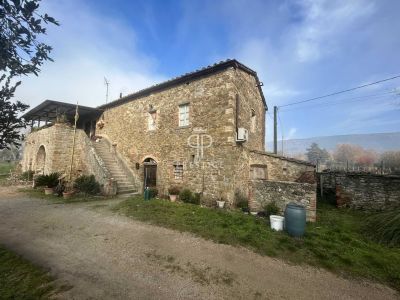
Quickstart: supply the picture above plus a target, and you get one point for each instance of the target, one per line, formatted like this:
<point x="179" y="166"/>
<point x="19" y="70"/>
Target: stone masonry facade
<point x="203" y="155"/>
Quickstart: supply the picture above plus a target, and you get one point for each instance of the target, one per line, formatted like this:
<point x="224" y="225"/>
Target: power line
<point x="269" y="115"/>
<point x="342" y="101"/>
<point x="341" y="92"/>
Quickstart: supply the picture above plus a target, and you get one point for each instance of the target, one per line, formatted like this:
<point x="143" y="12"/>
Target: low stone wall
<point x="281" y="168"/>
<point x="282" y="193"/>
<point x="362" y="191"/>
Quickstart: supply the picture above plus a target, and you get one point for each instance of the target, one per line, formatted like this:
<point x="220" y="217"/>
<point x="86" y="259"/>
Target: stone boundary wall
<point x="283" y="192"/>
<point x="281" y="168"/>
<point x="362" y="191"/>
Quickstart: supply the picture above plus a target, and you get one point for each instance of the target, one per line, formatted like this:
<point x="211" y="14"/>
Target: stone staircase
<point x="125" y="184"/>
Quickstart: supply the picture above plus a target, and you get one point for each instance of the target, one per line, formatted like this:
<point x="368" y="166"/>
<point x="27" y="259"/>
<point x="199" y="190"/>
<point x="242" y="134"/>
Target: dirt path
<point x="103" y="256"/>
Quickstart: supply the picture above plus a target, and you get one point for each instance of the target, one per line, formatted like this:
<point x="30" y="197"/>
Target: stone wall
<point x="212" y="106"/>
<point x="213" y="162"/>
<point x="282" y="193"/>
<point x="362" y="191"/>
<point x="57" y="142"/>
<point x="281" y="168"/>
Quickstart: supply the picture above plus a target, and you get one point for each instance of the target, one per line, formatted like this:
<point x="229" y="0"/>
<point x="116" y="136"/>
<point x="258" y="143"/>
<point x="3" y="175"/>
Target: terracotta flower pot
<point x="172" y="198"/>
<point x="48" y="191"/>
<point x="67" y="195"/>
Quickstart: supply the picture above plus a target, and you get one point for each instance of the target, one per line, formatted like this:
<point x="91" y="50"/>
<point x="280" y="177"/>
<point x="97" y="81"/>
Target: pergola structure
<point x="49" y="110"/>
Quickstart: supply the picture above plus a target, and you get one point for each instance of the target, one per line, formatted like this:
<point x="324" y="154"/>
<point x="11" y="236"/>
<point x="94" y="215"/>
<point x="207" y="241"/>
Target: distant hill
<point x="379" y="142"/>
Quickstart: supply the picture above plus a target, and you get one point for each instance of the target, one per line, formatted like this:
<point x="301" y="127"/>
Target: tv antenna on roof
<point x="107" y="83"/>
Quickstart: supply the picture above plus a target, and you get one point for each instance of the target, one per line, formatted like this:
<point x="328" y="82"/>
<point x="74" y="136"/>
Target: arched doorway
<point x="40" y="160"/>
<point x="150" y="172"/>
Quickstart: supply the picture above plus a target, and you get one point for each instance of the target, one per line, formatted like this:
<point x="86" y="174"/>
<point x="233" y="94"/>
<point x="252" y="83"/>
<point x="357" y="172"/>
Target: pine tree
<point x="316" y="154"/>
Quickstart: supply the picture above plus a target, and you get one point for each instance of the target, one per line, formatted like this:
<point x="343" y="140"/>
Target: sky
<point x="300" y="50"/>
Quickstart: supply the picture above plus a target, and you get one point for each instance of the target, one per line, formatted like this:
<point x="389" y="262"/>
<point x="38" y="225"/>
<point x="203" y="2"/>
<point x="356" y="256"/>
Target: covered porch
<point x="50" y="111"/>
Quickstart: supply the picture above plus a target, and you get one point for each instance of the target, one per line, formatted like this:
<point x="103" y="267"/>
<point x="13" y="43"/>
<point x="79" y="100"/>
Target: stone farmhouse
<point x="204" y="130"/>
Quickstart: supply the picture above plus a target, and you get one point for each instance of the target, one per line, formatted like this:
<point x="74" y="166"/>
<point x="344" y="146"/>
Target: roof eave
<point x="185" y="78"/>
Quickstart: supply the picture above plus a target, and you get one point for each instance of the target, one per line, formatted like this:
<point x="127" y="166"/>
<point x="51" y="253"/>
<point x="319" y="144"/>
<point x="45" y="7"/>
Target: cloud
<point x="324" y="23"/>
<point x="88" y="46"/>
<point x="291" y="134"/>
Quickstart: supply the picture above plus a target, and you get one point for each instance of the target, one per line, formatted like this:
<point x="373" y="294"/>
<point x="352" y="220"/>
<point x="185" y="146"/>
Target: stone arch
<point x="40" y="163"/>
<point x="149" y="159"/>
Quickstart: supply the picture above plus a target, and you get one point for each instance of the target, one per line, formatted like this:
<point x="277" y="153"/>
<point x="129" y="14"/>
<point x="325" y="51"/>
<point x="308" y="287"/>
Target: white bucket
<point x="276" y="222"/>
<point x="221" y="204"/>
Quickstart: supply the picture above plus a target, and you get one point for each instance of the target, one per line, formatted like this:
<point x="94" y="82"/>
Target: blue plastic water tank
<point x="295" y="219"/>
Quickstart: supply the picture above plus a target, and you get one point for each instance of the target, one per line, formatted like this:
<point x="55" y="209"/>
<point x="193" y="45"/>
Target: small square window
<point x="178" y="172"/>
<point x="183" y="115"/>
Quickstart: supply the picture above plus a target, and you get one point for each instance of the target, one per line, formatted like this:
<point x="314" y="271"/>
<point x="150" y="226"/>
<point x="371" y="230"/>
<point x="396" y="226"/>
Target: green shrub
<point x="241" y="201"/>
<point x="174" y="190"/>
<point x="87" y="185"/>
<point x="187" y="196"/>
<point x="196" y="198"/>
<point x="27" y="175"/>
<point x="384" y="227"/>
<point x="271" y="209"/>
<point x="153" y="192"/>
<point x="50" y="180"/>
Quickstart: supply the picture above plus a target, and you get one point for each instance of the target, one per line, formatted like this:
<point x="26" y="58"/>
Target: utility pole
<point x="107" y="83"/>
<point x="275" y="130"/>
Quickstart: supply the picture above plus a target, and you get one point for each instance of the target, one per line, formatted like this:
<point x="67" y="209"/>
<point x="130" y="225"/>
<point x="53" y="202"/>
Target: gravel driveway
<point x="101" y="255"/>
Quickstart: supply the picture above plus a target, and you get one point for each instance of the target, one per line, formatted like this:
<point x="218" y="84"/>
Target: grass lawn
<point x="335" y="242"/>
<point x="39" y="193"/>
<point x="20" y="279"/>
<point x="5" y="169"/>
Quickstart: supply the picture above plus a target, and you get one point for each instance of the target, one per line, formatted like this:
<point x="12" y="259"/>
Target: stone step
<point x="116" y="171"/>
<point x="111" y="163"/>
<point x="125" y="184"/>
<point x="114" y="168"/>
<point x="105" y="155"/>
<point x="102" y="148"/>
<point x="122" y="179"/>
<point x="126" y="191"/>
<point x="118" y="175"/>
<point x="126" y="195"/>
<point x="108" y="158"/>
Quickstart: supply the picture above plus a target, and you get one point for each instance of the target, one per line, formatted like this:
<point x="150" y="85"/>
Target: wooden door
<point x="150" y="175"/>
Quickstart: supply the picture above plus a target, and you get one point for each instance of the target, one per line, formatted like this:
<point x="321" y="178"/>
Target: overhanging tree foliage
<point x="21" y="53"/>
